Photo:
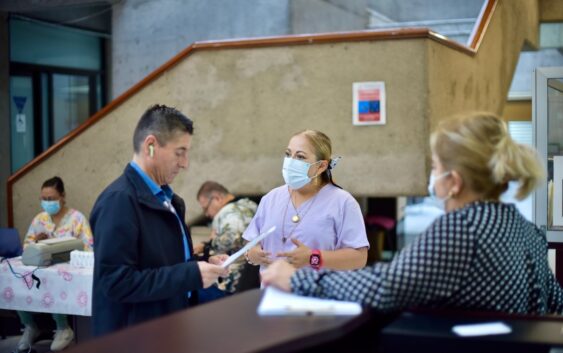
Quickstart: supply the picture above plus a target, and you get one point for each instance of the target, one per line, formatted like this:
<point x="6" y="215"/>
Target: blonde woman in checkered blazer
<point x="482" y="254"/>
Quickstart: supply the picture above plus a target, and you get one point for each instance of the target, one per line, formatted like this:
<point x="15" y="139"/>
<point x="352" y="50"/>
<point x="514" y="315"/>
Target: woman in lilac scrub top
<point x="318" y="224"/>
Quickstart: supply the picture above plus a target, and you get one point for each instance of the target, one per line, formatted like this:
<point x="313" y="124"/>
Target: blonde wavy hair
<point x="322" y="146"/>
<point x="478" y="146"/>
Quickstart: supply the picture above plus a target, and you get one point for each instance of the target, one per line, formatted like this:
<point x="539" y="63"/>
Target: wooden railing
<point x="291" y="40"/>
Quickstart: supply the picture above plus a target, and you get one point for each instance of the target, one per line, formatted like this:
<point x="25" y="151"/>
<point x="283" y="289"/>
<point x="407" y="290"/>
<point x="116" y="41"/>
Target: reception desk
<point x="232" y="325"/>
<point x="431" y="331"/>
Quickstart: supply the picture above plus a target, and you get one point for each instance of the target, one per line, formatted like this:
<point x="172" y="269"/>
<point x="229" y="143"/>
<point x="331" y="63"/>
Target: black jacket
<point x="140" y="271"/>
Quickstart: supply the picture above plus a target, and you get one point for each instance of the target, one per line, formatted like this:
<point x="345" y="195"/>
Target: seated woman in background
<point x="56" y="221"/>
<point x="318" y="224"/>
<point x="482" y="254"/>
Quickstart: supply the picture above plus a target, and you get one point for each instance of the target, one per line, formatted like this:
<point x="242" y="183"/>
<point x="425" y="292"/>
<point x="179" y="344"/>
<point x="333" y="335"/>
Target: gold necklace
<point x="293" y="219"/>
<point x="296" y="218"/>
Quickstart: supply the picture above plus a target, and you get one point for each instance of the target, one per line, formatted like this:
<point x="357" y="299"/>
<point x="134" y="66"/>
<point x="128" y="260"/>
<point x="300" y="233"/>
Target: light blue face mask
<point x="295" y="172"/>
<point x="51" y="207"/>
<point x="431" y="182"/>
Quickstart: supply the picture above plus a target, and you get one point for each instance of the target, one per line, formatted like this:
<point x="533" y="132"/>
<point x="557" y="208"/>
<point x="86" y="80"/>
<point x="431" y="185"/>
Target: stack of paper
<point x="276" y="302"/>
<point x="82" y="259"/>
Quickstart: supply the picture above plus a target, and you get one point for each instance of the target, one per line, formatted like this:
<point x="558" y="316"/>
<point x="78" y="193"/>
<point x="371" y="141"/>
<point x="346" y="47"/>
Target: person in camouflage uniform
<point x="230" y="217"/>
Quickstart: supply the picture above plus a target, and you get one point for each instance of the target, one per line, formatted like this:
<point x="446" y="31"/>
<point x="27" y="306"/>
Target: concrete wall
<point x="424" y="10"/>
<point x="5" y="157"/>
<point x="146" y="34"/>
<point x="460" y="82"/>
<point x="551" y="10"/>
<point x="518" y="110"/>
<point x="317" y="16"/>
<point x="247" y="102"/>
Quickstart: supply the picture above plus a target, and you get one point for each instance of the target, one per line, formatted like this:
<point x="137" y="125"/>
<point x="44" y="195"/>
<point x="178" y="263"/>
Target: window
<point x="56" y="84"/>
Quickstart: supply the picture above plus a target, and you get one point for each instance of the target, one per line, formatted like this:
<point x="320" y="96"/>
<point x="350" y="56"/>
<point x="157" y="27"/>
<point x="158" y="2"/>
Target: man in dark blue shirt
<point x="144" y="266"/>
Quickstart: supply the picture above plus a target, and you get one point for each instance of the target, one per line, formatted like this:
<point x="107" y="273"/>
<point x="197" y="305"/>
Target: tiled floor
<point x="10" y="344"/>
<point x="11" y="326"/>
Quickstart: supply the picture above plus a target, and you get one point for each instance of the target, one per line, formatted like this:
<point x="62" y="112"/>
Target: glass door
<point x="547" y="106"/>
<point x="22" y="127"/>
<point x="46" y="105"/>
<point x="547" y="116"/>
<point x="71" y="103"/>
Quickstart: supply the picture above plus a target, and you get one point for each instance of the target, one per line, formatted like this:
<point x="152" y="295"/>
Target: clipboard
<point x="247" y="247"/>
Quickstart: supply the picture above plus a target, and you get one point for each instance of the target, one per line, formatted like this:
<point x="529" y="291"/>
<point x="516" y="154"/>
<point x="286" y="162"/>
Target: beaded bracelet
<point x="248" y="259"/>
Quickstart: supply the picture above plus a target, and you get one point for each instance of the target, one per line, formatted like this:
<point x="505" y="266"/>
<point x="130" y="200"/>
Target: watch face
<point x="315" y="260"/>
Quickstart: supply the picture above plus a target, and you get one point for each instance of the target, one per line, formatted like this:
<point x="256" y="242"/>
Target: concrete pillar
<point x="146" y="34"/>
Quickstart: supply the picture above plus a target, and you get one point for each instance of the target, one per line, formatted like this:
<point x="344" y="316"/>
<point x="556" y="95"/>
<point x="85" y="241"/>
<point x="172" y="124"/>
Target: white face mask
<point x="295" y="172"/>
<point x="432" y="189"/>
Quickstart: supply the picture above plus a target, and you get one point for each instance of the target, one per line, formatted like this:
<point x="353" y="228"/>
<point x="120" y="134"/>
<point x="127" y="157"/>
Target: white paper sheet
<point x="247" y="247"/>
<point x="490" y="328"/>
<point x="277" y="302"/>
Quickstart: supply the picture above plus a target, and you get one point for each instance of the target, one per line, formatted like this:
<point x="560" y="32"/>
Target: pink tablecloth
<point x="64" y="289"/>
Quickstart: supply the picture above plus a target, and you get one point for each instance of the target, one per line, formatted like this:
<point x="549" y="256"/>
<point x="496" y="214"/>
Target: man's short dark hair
<point x="209" y="187"/>
<point x="163" y="122"/>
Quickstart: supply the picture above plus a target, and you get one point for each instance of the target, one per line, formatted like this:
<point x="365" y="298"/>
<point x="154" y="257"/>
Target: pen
<point x="328" y="310"/>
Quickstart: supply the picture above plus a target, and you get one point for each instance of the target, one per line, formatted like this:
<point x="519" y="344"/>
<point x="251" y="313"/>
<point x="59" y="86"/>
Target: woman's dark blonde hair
<point x="478" y="146"/>
<point x="322" y="146"/>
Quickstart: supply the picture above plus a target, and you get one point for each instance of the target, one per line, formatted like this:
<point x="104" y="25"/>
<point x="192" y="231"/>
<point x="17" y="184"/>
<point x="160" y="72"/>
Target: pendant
<point x="283" y="240"/>
<point x="295" y="218"/>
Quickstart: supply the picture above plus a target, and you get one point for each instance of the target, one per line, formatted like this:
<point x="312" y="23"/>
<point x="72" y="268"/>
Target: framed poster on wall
<point x="368" y="103"/>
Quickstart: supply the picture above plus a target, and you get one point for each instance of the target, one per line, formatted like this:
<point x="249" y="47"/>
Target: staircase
<point x="458" y="30"/>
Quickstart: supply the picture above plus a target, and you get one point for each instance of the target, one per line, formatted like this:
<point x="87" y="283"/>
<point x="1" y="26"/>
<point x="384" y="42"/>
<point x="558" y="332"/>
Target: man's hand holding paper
<point x="248" y="246"/>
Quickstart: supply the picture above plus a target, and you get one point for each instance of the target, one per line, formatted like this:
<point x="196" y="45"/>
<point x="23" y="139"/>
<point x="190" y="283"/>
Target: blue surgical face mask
<point x="51" y="207"/>
<point x="295" y="172"/>
<point x="432" y="189"/>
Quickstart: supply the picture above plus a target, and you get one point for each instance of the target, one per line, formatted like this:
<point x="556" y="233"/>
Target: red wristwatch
<point x="316" y="260"/>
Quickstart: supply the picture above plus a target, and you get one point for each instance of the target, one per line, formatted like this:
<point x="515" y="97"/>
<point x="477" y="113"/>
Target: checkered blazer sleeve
<point x="428" y="271"/>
